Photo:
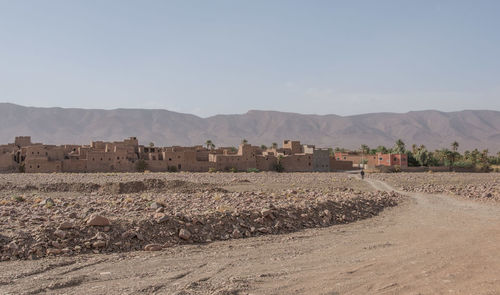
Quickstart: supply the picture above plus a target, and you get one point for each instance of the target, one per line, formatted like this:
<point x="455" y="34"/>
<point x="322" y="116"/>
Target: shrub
<point x="278" y="167"/>
<point x="172" y="169"/>
<point x="141" y="166"/>
<point x="212" y="170"/>
<point x="22" y="168"/>
<point x="463" y="164"/>
<point x="254" y="170"/>
<point x="233" y="170"/>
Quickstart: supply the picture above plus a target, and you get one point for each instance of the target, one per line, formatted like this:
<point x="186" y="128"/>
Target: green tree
<point x="263" y="147"/>
<point x="382" y="149"/>
<point x="475" y="156"/>
<point x="454" y="146"/>
<point x="209" y="143"/>
<point x="244" y="141"/>
<point x="399" y="148"/>
<point x="151" y="144"/>
<point x="274" y="145"/>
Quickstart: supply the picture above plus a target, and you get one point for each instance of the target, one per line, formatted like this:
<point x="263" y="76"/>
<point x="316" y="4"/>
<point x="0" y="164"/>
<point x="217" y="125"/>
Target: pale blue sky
<point x="211" y="57"/>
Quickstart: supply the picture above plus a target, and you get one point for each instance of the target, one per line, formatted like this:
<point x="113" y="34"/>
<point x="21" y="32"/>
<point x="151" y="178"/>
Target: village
<point x="129" y="156"/>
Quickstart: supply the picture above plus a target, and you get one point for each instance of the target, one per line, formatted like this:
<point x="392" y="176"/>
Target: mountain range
<point x="471" y="128"/>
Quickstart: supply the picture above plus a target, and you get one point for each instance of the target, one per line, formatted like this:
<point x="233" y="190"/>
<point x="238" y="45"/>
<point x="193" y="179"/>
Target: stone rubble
<point x="226" y="206"/>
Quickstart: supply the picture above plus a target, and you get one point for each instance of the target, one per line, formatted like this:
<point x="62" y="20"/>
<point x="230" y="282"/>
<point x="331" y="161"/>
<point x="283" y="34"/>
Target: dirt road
<point x="430" y="244"/>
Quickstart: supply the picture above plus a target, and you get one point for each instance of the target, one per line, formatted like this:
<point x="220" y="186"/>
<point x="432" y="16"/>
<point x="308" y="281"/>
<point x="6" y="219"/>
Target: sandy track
<point x="430" y="244"/>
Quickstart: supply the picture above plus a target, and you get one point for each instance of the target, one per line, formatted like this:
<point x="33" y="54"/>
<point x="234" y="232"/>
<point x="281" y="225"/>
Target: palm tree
<point x="208" y="143"/>
<point x="212" y="146"/>
<point x="274" y="145"/>
<point x="151" y="144"/>
<point x="454" y="146"/>
<point x="244" y="141"/>
<point x="414" y="149"/>
<point x="484" y="156"/>
<point x="400" y="147"/>
<point x="382" y="149"/>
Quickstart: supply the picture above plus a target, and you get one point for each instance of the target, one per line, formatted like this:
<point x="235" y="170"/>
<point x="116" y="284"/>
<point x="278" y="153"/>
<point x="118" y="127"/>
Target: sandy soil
<point x="430" y="244"/>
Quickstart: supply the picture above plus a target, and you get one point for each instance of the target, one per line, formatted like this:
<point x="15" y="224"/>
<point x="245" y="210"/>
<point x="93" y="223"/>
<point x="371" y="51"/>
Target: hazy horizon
<point x="245" y="112"/>
<point x="224" y="57"/>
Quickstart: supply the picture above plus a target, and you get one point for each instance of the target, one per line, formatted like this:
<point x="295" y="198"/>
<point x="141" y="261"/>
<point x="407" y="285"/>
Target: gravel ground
<point x="480" y="186"/>
<point x="68" y="214"/>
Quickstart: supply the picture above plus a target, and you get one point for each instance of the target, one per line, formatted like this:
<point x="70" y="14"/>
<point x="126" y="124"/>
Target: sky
<point x="225" y="57"/>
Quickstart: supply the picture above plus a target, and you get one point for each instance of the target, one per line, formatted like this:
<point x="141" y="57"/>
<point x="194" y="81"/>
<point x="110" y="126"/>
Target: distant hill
<point x="472" y="129"/>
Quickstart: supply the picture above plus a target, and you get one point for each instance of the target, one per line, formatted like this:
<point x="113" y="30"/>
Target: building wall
<point x="266" y="163"/>
<point x="42" y="165"/>
<point x="294" y="146"/>
<point x="297" y="163"/>
<point x="7" y="162"/>
<point x="53" y="153"/>
<point x="74" y="165"/>
<point x="336" y="165"/>
<point x="321" y="160"/>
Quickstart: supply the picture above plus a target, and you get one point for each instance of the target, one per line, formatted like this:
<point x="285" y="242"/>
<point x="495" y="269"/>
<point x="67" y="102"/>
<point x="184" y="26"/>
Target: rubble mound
<point x="118" y="224"/>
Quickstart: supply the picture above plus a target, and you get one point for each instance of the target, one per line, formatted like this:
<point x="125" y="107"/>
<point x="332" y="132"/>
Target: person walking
<point x="362" y="174"/>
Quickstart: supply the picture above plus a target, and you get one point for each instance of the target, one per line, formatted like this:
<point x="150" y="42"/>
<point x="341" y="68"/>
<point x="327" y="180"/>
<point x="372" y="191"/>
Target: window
<point x="38" y="166"/>
<point x="345" y="158"/>
<point x="395" y="159"/>
<point x="380" y="159"/>
<point x="170" y="159"/>
<point x="118" y="158"/>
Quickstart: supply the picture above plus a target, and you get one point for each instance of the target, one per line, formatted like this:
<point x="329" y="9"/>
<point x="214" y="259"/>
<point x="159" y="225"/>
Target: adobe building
<point x="126" y="155"/>
<point x="372" y="161"/>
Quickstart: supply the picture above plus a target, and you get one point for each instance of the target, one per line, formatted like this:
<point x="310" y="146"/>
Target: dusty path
<point x="431" y="244"/>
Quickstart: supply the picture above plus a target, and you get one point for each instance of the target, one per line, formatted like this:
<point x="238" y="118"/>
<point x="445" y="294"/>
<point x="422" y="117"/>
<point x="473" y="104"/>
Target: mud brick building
<point x="372" y="161"/>
<point x="126" y="155"/>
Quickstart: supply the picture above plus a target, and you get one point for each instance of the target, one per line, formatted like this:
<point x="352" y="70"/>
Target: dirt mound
<point x="167" y="229"/>
<point x="126" y="187"/>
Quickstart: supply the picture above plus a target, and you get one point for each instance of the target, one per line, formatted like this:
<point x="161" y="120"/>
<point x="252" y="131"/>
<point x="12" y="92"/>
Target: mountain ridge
<point x="435" y="129"/>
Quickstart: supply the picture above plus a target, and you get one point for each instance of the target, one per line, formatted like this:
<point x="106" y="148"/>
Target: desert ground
<point x="250" y="233"/>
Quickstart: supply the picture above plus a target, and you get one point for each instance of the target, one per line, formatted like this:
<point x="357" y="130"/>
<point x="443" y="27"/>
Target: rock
<point x="52" y="251"/>
<point x="266" y="212"/>
<point x="153" y="247"/>
<point x="66" y="225"/>
<point x="236" y="234"/>
<point x="47" y="202"/>
<point x="163" y="218"/>
<point x="97" y="220"/>
<point x="99" y="244"/>
<point x="73" y="215"/>
<point x="60" y="234"/>
<point x="155" y="205"/>
<point x="486" y="195"/>
<point x="184" y="234"/>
